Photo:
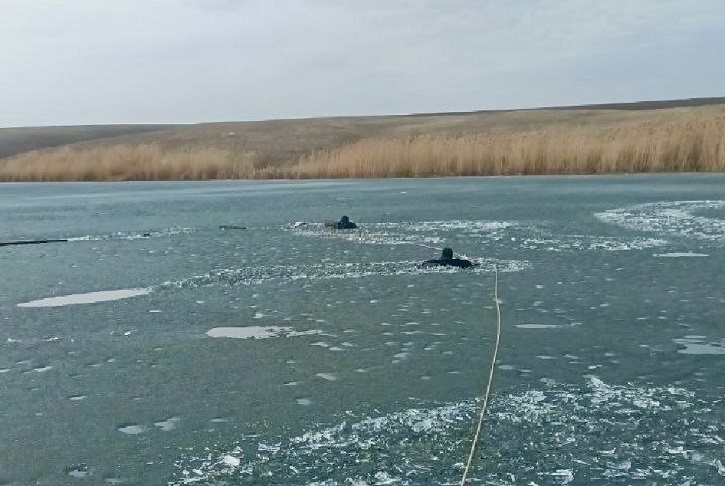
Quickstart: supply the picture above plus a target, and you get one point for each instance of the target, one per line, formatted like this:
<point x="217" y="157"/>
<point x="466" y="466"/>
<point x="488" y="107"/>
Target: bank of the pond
<point x="586" y="142"/>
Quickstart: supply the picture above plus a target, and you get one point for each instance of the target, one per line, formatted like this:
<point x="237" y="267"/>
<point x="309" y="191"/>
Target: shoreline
<point x="373" y="179"/>
<point x="538" y="142"/>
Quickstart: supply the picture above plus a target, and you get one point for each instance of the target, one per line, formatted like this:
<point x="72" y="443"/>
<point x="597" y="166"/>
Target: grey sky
<point x="165" y="61"/>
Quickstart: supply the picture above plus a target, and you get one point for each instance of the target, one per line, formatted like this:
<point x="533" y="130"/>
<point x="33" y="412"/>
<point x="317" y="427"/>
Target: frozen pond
<point x="156" y="348"/>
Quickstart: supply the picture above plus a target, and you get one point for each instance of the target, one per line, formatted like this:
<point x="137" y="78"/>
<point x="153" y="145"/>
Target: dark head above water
<point x="447" y="260"/>
<point x="345" y="223"/>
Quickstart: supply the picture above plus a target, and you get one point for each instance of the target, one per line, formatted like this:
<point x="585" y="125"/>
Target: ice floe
<point x="592" y="432"/>
<point x="87" y="298"/>
<point x="258" y="332"/>
<point x="699" y="345"/>
<point x="676" y="218"/>
<point x="679" y="255"/>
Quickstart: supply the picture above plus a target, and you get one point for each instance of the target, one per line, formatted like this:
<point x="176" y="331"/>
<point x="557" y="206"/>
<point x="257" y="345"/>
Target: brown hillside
<point x="675" y="135"/>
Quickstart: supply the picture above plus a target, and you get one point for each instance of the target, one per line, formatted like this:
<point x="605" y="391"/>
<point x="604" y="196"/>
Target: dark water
<point x="359" y="367"/>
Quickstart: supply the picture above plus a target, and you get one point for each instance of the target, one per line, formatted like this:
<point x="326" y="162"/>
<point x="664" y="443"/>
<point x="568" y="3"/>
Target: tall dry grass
<point x="689" y="144"/>
<point x="684" y="143"/>
<point x="125" y="162"/>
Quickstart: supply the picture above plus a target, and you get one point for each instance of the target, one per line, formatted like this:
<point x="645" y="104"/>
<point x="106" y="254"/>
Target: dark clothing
<point x="344" y="223"/>
<point x="447" y="259"/>
<point x="451" y="262"/>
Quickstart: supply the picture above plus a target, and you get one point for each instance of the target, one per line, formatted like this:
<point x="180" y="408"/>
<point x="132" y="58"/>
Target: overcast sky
<point x="66" y="62"/>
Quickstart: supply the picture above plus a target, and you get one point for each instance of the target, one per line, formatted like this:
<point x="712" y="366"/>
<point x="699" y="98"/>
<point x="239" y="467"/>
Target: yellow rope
<point x="488" y="387"/>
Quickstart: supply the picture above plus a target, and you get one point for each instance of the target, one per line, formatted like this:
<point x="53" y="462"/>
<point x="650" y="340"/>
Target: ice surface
<point x="87" y="298"/>
<point x="257" y="332"/>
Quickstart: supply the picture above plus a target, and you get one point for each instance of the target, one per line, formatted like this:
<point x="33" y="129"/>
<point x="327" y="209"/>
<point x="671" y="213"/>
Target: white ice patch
<point x="588" y="433"/>
<point x="134" y="235"/>
<point x="258" y="332"/>
<point x="87" y="298"/>
<point x="297" y="459"/>
<point x="78" y="472"/>
<point x="168" y="424"/>
<point x="433" y="234"/>
<point x="698" y="345"/>
<point x="545" y="326"/>
<point x="542" y="240"/>
<point x="333" y="271"/>
<point x="230" y="461"/>
<point x="679" y="255"/>
<point x="676" y="218"/>
<point x="133" y="429"/>
<point x="420" y="233"/>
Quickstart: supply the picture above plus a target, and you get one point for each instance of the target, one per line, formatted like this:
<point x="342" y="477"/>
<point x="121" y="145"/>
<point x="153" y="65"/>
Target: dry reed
<point x="687" y="143"/>
<point x="123" y="163"/>
<point x="692" y="145"/>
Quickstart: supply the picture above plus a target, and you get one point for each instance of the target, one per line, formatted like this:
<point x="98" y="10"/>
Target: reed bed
<point x="125" y="162"/>
<point x="688" y="145"/>
<point x="684" y="144"/>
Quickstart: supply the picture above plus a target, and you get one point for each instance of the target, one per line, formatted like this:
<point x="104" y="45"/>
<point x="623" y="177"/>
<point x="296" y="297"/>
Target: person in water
<point x="447" y="259"/>
<point x="344" y="223"/>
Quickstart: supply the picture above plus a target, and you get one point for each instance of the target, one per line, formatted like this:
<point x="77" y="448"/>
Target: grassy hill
<point x="14" y="141"/>
<point x="657" y="135"/>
